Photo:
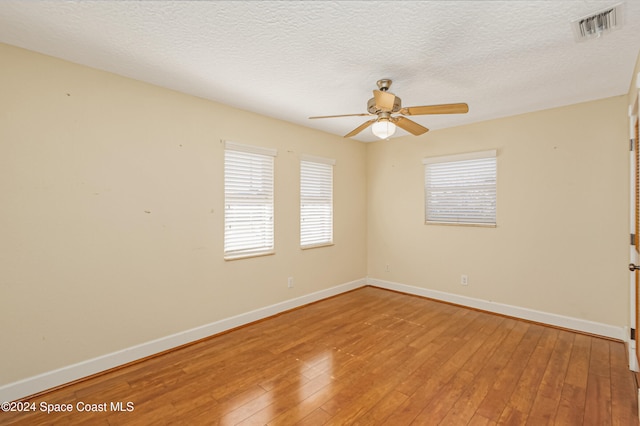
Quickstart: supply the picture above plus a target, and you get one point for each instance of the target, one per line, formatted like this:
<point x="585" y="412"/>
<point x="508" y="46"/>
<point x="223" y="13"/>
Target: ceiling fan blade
<point x="436" y="109"/>
<point x="384" y="100"/>
<point x="360" y="128"/>
<point x="410" y="126"/>
<point x="343" y="115"/>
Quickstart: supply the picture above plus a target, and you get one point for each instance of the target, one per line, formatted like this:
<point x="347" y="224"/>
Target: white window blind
<point x="461" y="189"/>
<point x="248" y="198"/>
<point x="316" y="201"/>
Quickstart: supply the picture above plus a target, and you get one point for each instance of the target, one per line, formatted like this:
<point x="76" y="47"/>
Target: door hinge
<point x="633" y="239"/>
<point x="633" y="334"/>
<point x="632" y="144"/>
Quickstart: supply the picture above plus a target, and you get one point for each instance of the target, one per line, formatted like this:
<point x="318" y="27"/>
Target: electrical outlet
<point x="464" y="280"/>
<point x="290" y="282"/>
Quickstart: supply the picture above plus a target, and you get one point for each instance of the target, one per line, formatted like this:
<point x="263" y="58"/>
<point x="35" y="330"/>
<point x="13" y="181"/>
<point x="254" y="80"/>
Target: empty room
<point x="315" y="212"/>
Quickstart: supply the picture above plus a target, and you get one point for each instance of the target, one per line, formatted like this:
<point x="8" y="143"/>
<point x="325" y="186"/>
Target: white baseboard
<point x="571" y="323"/>
<point x="51" y="379"/>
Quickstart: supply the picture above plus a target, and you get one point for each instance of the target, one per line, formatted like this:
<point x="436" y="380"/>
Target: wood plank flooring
<point x="367" y="357"/>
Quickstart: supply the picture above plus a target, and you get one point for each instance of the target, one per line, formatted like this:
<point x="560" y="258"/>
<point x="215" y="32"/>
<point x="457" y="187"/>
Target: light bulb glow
<point x="383" y="128"/>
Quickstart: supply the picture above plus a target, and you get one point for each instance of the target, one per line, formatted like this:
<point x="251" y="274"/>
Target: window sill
<point x="312" y="246"/>
<point x="476" y="225"/>
<point x="248" y="256"/>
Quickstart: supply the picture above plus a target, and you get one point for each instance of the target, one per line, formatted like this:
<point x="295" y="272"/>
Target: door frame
<point x="634" y="256"/>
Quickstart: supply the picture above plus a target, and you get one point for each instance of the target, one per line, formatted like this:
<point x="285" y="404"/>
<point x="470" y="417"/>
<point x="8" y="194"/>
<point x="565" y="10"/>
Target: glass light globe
<point x="383" y="128"/>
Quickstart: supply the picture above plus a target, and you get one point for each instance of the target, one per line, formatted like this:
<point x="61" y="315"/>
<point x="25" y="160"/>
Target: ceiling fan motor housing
<point x="371" y="106"/>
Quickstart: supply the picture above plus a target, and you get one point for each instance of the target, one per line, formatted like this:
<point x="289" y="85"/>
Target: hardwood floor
<point x="367" y="357"/>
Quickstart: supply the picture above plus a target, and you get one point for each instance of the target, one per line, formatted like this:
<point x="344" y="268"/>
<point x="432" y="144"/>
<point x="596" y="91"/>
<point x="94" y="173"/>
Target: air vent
<point x="598" y="23"/>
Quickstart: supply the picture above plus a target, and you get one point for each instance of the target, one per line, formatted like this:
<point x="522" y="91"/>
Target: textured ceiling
<point x="293" y="59"/>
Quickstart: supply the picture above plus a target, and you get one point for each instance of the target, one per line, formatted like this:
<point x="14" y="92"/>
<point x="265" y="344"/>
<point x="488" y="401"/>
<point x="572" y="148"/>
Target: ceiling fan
<point x="384" y="104"/>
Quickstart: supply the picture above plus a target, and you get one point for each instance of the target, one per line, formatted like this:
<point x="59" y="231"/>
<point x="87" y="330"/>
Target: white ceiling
<point x="294" y="59"/>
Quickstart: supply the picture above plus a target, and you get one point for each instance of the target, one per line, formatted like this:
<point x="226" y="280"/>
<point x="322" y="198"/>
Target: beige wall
<point x="111" y="225"/>
<point x="561" y="244"/>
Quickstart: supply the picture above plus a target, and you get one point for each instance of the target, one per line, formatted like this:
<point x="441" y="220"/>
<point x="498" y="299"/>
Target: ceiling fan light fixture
<point x="383" y="128"/>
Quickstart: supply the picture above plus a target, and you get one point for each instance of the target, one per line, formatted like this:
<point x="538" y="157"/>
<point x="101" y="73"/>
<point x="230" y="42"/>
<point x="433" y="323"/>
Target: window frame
<point x="318" y="199"/>
<point x="258" y="184"/>
<point x="474" y="213"/>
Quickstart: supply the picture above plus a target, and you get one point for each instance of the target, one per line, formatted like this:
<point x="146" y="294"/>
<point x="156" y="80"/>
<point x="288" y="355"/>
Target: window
<point x="316" y="201"/>
<point x="248" y="199"/>
<point x="461" y="189"/>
